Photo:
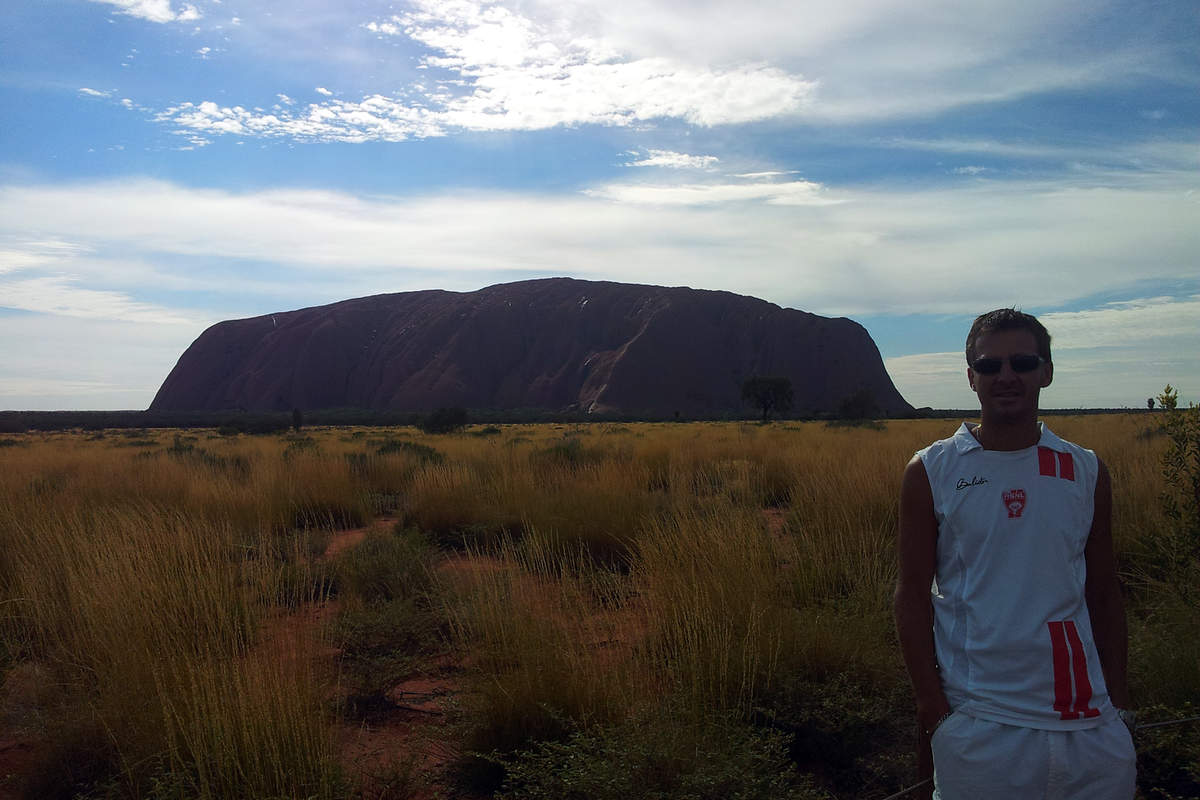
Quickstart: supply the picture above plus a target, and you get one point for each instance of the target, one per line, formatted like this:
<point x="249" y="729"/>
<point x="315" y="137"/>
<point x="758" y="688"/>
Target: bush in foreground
<point x="714" y="758"/>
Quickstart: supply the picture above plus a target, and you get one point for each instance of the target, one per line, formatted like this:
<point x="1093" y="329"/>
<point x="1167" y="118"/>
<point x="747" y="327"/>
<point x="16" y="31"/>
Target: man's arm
<point x="917" y="549"/>
<point x="1103" y="592"/>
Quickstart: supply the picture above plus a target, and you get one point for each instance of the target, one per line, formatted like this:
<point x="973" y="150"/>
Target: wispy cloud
<point x="1127" y="323"/>
<point x="18" y="253"/>
<point x="791" y="193"/>
<point x="882" y="251"/>
<point x="160" y="11"/>
<point x="61" y="296"/>
<point x="94" y="92"/>
<point x="669" y="158"/>
<point x="1150" y="154"/>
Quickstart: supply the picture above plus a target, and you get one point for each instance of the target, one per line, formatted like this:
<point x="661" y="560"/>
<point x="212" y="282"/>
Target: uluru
<point x="557" y="343"/>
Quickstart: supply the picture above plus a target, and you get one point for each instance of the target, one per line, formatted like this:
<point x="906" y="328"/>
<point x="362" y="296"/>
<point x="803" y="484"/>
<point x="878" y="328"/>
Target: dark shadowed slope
<point x="556" y="343"/>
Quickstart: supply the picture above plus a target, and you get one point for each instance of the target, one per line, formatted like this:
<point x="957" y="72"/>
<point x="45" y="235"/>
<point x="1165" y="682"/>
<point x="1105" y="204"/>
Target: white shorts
<point x="974" y="759"/>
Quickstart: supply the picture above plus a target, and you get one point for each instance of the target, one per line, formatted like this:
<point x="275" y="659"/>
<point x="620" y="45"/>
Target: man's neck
<point x="1003" y="434"/>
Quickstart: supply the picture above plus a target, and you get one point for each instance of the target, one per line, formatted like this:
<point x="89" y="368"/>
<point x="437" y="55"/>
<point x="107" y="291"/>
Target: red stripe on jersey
<point x="1046" y="463"/>
<point x="1062" y="671"/>
<point x="1083" y="686"/>
<point x="1066" y="466"/>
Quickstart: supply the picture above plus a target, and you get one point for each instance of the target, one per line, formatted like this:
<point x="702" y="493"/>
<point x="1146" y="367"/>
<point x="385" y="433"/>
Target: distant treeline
<point x="259" y="422"/>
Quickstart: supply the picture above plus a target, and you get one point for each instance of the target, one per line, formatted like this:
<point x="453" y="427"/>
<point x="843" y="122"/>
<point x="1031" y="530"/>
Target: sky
<point x="168" y="164"/>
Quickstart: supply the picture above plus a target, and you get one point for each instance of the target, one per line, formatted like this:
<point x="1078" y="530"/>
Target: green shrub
<point x="422" y="452"/>
<point x="298" y="445"/>
<point x="659" y="755"/>
<point x="1169" y="757"/>
<point x="569" y="452"/>
<point x="387" y="566"/>
<point x="490" y="430"/>
<point x="382" y="644"/>
<point x="858" y="737"/>
<point x="391" y="629"/>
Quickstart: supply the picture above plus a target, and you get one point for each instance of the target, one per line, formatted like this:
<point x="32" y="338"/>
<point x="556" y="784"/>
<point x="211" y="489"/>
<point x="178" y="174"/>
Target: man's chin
<point x="1011" y="412"/>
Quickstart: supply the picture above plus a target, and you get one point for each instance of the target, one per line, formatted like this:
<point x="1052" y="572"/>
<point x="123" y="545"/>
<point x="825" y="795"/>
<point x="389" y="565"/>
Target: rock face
<point x="556" y="344"/>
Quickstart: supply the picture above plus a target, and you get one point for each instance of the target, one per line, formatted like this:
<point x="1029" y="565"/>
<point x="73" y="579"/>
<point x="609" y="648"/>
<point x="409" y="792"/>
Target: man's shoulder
<point x="1051" y="440"/>
<point x="960" y="441"/>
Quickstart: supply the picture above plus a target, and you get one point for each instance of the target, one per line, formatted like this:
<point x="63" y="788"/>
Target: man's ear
<point x="971" y="379"/>
<point x="1048" y="375"/>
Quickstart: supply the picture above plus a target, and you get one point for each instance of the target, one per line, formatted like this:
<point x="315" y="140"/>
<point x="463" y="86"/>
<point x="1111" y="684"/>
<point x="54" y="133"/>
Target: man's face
<point x="1008" y="395"/>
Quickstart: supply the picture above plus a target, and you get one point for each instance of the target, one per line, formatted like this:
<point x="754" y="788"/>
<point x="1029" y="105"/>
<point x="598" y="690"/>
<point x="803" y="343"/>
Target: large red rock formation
<point x="557" y="343"/>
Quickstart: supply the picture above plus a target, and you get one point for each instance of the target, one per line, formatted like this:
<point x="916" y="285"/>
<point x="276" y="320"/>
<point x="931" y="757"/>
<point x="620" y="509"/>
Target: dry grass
<point x="594" y="570"/>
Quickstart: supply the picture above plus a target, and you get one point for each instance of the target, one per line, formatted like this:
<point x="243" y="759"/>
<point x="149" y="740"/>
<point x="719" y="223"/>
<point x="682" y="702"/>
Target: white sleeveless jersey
<point x="1011" y="627"/>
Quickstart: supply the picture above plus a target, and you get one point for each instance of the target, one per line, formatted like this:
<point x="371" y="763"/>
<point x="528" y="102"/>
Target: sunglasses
<point x="1019" y="363"/>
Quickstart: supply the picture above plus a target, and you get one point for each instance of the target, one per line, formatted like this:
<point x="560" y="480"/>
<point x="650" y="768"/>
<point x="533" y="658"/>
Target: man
<point x="1017" y="654"/>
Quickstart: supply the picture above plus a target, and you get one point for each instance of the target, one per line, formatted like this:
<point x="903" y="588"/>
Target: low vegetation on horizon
<point x="649" y="610"/>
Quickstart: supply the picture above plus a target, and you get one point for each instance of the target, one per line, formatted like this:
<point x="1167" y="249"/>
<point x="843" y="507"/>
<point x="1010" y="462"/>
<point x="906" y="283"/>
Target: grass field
<point x="691" y="610"/>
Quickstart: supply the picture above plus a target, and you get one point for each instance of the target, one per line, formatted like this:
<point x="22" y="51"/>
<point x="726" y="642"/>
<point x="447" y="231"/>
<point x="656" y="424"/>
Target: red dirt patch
<point x="349" y="537"/>
<point x="21" y="749"/>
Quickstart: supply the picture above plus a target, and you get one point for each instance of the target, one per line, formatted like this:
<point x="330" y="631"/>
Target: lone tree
<point x="1150" y="403"/>
<point x="769" y="393"/>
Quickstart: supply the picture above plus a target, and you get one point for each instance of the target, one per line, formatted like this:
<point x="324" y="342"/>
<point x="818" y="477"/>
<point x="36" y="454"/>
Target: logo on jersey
<point x="1054" y="464"/>
<point x="1014" y="501"/>
<point x="963" y="483"/>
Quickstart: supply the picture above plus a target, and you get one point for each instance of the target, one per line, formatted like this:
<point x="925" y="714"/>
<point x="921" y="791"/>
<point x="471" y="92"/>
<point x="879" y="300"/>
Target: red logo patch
<point x="1053" y="464"/>
<point x="1014" y="501"/>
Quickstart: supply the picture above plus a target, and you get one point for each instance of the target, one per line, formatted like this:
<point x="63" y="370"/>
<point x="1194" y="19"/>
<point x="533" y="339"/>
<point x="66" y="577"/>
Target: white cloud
<point x="1147" y="155"/>
<point x="155" y="10"/>
<point x="774" y="173"/>
<point x="386" y="28"/>
<point x="1126" y="323"/>
<point x="794" y="193"/>
<point x="322" y="90"/>
<point x="94" y="92"/>
<point x="878" y="251"/>
<point x="374" y="118"/>
<point x="887" y="58"/>
<point x="669" y="158"/>
<point x="498" y="70"/>
<point x="971" y="170"/>
<point x="531" y="72"/>
<point x="203" y="52"/>
<point x="61" y="296"/>
<point x="18" y="253"/>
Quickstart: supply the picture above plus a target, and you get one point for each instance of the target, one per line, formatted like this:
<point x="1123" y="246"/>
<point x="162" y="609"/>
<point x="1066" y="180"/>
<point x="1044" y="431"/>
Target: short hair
<point x="1007" y="319"/>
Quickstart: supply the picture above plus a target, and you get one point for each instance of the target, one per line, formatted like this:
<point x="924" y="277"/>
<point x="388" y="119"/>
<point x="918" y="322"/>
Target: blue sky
<point x="165" y="165"/>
